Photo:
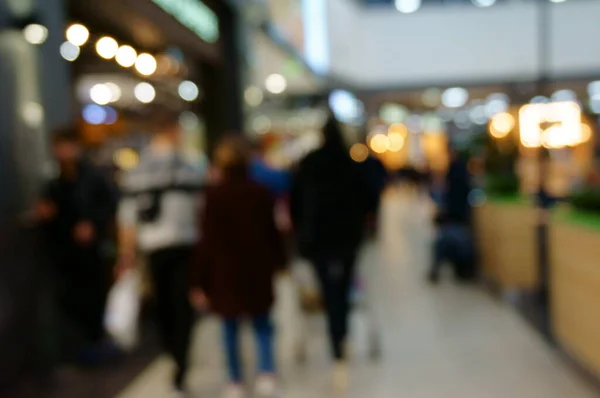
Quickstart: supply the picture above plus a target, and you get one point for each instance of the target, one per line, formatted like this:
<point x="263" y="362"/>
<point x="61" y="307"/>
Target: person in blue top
<point x="277" y="181"/>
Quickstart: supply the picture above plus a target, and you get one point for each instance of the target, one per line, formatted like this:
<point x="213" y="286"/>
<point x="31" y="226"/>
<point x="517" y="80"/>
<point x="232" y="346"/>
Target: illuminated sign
<point x="194" y="15"/>
<point x="553" y="125"/>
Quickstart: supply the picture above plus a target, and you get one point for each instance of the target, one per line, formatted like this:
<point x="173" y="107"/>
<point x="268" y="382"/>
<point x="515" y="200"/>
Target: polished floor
<point x="449" y="342"/>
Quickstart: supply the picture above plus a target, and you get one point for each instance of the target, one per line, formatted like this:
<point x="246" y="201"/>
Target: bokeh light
<point x="145" y="93"/>
<point x="253" y="96"/>
<point x="94" y="114"/>
<point x="145" y="64"/>
<point x="396" y="142"/>
<point x="115" y="91"/>
<point x="188" y="91"/>
<point x="484" y="3"/>
<point x="107" y="47"/>
<point x="455" y="97"/>
<point x="502" y="124"/>
<point x="408" y="6"/>
<point x="35" y="33"/>
<point x="380" y="143"/>
<point x="101" y="94"/>
<point x="78" y="34"/>
<point x="359" y="152"/>
<point x="126" y="159"/>
<point x="126" y="56"/>
<point x="276" y="84"/>
<point x="69" y="51"/>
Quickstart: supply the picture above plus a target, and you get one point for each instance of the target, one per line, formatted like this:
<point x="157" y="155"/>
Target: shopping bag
<point x="310" y="298"/>
<point x="122" y="310"/>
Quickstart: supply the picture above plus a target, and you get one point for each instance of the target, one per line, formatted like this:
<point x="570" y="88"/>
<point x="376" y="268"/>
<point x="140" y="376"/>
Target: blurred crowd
<point x="212" y="238"/>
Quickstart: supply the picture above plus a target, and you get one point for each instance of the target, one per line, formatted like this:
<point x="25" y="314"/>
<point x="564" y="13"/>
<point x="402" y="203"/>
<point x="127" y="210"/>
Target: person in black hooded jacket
<point x="331" y="200"/>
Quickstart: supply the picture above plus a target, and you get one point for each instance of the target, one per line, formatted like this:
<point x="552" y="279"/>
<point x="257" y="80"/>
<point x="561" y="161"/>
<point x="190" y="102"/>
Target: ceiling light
<point x="276" y="84"/>
<point x="35" y="33"/>
<point x="145" y="64"/>
<point x="145" y="93"/>
<point x="115" y="91"/>
<point x="126" y="56"/>
<point x="408" y="6"/>
<point x="107" y="47"/>
<point x="78" y="34"/>
<point x="100" y="94"/>
<point x="484" y="3"/>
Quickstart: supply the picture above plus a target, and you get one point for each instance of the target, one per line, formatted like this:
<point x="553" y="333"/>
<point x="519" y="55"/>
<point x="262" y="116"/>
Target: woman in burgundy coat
<point x="240" y="252"/>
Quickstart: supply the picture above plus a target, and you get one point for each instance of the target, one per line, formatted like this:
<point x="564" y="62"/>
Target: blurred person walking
<point x="157" y="216"/>
<point x="239" y="254"/>
<point x="454" y="239"/>
<point x="76" y="210"/>
<point x="330" y="204"/>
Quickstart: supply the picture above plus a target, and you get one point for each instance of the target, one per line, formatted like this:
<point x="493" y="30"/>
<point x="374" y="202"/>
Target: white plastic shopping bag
<point x="122" y="310"/>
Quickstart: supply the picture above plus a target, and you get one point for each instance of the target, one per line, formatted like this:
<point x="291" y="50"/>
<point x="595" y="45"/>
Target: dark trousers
<point x="83" y="288"/>
<point x="336" y="275"/>
<point x="169" y="270"/>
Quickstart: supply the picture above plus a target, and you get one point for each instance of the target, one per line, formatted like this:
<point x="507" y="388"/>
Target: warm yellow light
<point x="396" y="142"/>
<point x="359" y="152"/>
<point x="78" y="34"/>
<point x="146" y="64"/>
<point x="380" y="143"/>
<point x="586" y="133"/>
<point x="502" y="124"/>
<point x="126" y="159"/>
<point x="107" y="47"/>
<point x="126" y="56"/>
<point x="553" y="125"/>
<point x="398" y="128"/>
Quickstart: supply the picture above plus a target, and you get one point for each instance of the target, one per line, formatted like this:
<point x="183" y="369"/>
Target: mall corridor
<point x="450" y="341"/>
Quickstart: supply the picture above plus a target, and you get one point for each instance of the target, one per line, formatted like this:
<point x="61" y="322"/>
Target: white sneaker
<point x="234" y="391"/>
<point x="266" y="386"/>
<point x="340" y="377"/>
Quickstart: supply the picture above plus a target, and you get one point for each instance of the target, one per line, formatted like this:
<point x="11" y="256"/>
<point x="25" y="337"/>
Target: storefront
<point x="128" y="55"/>
<point x="54" y="70"/>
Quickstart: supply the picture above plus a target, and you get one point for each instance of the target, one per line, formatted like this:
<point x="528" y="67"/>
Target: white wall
<point x="379" y="47"/>
<point x="575" y="38"/>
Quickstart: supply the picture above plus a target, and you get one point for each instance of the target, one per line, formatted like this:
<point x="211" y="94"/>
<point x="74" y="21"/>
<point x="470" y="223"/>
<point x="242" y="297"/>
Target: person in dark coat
<point x="240" y="252"/>
<point x="76" y="210"/>
<point x="330" y="204"/>
<point x="454" y="239"/>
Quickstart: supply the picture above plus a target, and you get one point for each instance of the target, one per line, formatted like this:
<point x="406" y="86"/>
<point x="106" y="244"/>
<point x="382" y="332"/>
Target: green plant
<point x="504" y="184"/>
<point x="587" y="199"/>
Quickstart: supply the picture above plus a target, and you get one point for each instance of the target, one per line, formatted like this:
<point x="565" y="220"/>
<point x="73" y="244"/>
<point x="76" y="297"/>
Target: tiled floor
<point x="448" y="342"/>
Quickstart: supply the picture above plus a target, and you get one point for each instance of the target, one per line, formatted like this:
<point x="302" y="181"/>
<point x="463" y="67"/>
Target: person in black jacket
<point x="330" y="202"/>
<point x="76" y="209"/>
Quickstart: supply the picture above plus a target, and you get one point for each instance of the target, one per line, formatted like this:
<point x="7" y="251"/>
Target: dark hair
<point x="68" y="134"/>
<point x="332" y="134"/>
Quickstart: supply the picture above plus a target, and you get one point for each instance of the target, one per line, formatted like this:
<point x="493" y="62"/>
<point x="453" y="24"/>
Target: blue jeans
<point x="264" y="332"/>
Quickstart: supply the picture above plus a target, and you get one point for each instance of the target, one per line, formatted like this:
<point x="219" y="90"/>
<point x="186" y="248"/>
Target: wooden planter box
<point x="575" y="287"/>
<point x="506" y="238"/>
